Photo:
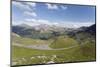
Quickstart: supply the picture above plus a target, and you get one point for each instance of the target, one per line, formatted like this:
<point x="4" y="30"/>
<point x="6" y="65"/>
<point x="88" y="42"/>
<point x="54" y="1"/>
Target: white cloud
<point x="76" y="24"/>
<point x="34" y="22"/>
<point x="26" y="8"/>
<point x="21" y="6"/>
<point x="32" y="14"/>
<point x="63" y="7"/>
<point x="52" y="6"/>
<point x="43" y="21"/>
<point x="37" y="21"/>
<point x="31" y="4"/>
<point x="30" y="20"/>
<point x="17" y="22"/>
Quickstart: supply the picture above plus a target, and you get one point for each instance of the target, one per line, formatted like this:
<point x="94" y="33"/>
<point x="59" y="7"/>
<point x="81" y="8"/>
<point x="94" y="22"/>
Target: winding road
<point x="42" y="47"/>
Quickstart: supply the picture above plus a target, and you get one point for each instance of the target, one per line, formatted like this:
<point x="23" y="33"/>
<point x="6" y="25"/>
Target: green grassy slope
<point x="79" y="53"/>
<point x="24" y="56"/>
<point x="63" y="42"/>
<point x="29" y="41"/>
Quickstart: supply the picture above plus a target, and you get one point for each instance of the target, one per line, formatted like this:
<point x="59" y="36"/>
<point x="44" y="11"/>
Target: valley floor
<point x="63" y="49"/>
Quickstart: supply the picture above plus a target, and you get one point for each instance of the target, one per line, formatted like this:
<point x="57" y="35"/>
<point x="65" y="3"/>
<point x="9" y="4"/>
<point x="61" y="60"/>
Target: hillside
<point x="57" y="47"/>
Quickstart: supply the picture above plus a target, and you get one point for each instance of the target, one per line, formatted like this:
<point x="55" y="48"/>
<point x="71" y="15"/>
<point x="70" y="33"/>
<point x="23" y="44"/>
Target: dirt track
<point x="42" y="47"/>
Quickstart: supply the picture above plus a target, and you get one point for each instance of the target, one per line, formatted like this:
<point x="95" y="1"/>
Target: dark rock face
<point x="90" y="30"/>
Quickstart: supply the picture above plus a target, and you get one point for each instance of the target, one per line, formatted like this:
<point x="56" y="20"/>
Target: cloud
<point x="76" y="24"/>
<point x="31" y="4"/>
<point x="38" y="21"/>
<point x="63" y="7"/>
<point x="30" y="20"/>
<point x="21" y="6"/>
<point x="43" y="21"/>
<point x="55" y="7"/>
<point x="26" y="7"/>
<point x="33" y="22"/>
<point x="52" y="6"/>
<point x="17" y="22"/>
<point x="32" y="14"/>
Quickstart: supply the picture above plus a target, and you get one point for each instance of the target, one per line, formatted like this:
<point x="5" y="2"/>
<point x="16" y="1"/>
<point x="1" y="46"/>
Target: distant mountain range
<point x="91" y="29"/>
<point x="41" y="28"/>
<point x="49" y="30"/>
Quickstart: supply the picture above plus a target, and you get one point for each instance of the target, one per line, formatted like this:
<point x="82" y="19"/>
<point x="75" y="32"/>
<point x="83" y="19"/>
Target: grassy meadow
<point x="63" y="49"/>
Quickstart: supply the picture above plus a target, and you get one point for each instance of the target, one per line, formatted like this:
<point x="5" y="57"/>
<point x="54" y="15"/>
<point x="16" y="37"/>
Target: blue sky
<point x="47" y="13"/>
